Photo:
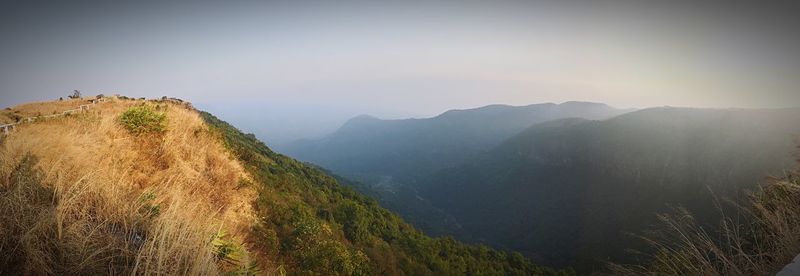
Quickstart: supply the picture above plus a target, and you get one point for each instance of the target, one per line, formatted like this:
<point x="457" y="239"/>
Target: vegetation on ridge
<point x="314" y="225"/>
<point x="143" y="119"/>
<point x="83" y="196"/>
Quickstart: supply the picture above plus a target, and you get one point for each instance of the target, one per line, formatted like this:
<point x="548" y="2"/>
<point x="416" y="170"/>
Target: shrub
<point x="225" y="249"/>
<point x="143" y="119"/>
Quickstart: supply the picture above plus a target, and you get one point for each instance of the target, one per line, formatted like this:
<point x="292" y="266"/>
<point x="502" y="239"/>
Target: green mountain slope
<point x="315" y="225"/>
<point x="569" y="192"/>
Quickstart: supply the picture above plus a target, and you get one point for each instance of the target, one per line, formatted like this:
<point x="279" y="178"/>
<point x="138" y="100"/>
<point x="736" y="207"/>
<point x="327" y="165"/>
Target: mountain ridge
<point x="156" y="187"/>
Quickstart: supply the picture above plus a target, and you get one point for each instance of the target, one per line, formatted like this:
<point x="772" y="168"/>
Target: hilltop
<point x="157" y="187"/>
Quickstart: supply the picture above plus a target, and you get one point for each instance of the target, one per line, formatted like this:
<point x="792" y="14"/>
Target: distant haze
<point x="289" y="70"/>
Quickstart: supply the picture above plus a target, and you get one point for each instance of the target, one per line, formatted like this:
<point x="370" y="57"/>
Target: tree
<point x="75" y="94"/>
<point x="354" y="219"/>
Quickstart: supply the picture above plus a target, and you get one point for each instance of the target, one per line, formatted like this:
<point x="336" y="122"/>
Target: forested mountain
<point x="399" y="151"/>
<point x="569" y="192"/>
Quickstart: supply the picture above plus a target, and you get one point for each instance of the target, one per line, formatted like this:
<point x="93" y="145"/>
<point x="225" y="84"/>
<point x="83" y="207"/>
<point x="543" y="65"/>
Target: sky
<point x="298" y="69"/>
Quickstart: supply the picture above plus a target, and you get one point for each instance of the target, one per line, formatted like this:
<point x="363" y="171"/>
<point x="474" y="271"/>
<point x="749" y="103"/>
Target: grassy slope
<point x="313" y="224"/>
<point x="13" y="114"/>
<point x="82" y="195"/>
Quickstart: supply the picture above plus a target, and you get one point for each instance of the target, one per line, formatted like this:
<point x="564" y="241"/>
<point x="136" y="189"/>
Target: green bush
<point x="143" y="119"/>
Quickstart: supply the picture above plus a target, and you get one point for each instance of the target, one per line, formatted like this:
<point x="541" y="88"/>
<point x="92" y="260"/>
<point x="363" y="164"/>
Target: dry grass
<point x="762" y="243"/>
<point x="10" y="115"/>
<point x="81" y="195"/>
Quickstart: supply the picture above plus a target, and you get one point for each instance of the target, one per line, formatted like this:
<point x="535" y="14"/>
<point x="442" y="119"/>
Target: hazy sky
<point x="297" y="68"/>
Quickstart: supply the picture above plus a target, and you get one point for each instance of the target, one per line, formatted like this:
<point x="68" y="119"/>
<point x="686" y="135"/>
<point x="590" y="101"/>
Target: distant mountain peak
<point x="360" y="121"/>
<point x="363" y="118"/>
<point x="583" y="103"/>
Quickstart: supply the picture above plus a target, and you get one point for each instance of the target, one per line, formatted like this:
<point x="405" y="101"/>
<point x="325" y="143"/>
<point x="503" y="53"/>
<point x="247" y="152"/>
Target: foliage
<point x="227" y="250"/>
<point x="143" y="119"/>
<point x="148" y="208"/>
<point x="317" y="226"/>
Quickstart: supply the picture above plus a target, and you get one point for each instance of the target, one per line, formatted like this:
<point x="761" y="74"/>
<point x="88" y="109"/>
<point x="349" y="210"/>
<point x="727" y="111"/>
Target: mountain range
<point x="568" y="184"/>
<point x="366" y="147"/>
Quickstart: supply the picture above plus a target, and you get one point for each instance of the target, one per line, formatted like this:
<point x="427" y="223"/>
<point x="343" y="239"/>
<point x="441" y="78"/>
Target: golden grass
<point x="100" y="200"/>
<point x="761" y="243"/>
<point x="27" y="110"/>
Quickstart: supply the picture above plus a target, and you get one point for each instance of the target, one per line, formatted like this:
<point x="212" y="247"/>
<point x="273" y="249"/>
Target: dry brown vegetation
<point x="11" y="114"/>
<point x="81" y="195"/>
<point x="761" y="241"/>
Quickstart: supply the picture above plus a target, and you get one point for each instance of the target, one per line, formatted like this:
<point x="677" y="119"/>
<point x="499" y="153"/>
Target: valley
<point x="565" y="192"/>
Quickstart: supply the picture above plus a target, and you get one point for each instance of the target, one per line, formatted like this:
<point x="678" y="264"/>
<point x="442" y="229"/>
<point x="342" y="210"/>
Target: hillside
<point x="156" y="187"/>
<point x="569" y="192"/>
